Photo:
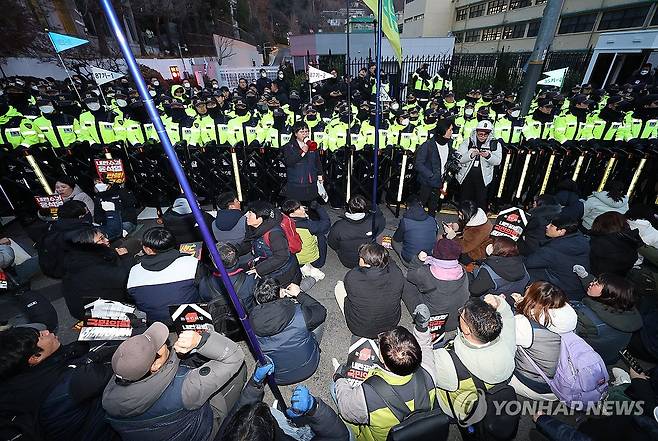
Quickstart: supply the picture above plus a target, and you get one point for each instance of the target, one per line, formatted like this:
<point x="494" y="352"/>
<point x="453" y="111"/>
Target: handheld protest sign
<point x="110" y="170"/>
<point x="52" y="202"/>
<point x="437" y="326"/>
<point x="363" y="356"/>
<point x="192" y="248"/>
<point x="191" y="317"/>
<point x="510" y="223"/>
<point x="106" y="320"/>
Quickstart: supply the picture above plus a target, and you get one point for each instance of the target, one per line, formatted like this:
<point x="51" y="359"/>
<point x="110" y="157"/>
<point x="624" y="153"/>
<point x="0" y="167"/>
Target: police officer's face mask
<point x="93" y="106"/>
<point x="280" y="75"/>
<point x="156" y="83"/>
<point x="344" y="118"/>
<point x="404" y="122"/>
<point x="312" y="116"/>
<point x="152" y="92"/>
<point x="122" y="102"/>
<point x="215" y="86"/>
<point x="468" y="112"/>
<point x="263" y="74"/>
<point x="186" y="85"/>
<point x="515" y="113"/>
<point x="46" y="109"/>
<point x="241" y="111"/>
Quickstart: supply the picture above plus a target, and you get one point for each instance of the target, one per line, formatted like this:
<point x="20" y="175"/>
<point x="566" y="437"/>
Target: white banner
<point x="315" y="75"/>
<point x="102" y="76"/>
<point x="555" y="77"/>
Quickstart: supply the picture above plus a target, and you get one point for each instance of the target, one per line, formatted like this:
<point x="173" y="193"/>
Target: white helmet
<point x="484" y="125"/>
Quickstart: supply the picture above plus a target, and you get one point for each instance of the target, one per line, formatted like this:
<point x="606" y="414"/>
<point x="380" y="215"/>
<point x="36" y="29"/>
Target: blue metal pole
<point x="208" y="239"/>
<point x="375" y="161"/>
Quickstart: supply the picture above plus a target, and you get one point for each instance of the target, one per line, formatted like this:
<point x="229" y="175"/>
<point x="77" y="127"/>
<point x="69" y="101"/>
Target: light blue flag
<point x="63" y="42"/>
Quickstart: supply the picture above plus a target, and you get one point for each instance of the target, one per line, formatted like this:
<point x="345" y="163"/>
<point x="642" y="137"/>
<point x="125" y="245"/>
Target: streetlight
<point x="181" y="48"/>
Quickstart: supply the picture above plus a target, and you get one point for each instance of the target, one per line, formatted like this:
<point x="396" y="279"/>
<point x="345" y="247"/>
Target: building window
<point x="577" y="23"/>
<point x="476" y="10"/>
<point x="533" y="28"/>
<point x="472" y="36"/>
<point x="496" y="6"/>
<point x="516" y="4"/>
<point x="491" y="34"/>
<point x="459" y="37"/>
<point x="461" y="14"/>
<point x="624" y="18"/>
<point x="513" y="31"/>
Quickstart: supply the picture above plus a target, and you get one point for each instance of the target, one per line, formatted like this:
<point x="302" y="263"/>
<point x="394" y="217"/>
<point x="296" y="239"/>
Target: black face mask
<point x="241" y="112"/>
<point x="363" y="114"/>
<point x="251" y="100"/>
<point x="344" y="118"/>
<point x="279" y="121"/>
<point x="312" y="117"/>
<point x="471" y="99"/>
<point x="295" y="104"/>
<point x="177" y="114"/>
<point x="318" y="107"/>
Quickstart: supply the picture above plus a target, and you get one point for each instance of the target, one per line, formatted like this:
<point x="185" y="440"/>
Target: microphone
<point x="312" y="145"/>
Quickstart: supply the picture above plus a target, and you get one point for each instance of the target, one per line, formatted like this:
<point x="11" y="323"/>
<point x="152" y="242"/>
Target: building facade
<point x="512" y="25"/>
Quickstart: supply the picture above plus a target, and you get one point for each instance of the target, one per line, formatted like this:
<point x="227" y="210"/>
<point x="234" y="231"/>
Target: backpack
<point x="580" y="375"/>
<point x="421" y="423"/>
<point x="502" y="286"/>
<point x="488" y="424"/>
<point x="290" y="231"/>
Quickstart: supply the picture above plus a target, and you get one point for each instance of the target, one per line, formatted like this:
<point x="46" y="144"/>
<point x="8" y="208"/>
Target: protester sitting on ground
<point x="230" y="224"/>
<point x="408" y="369"/>
<point x="251" y="419"/>
<point x="94" y="270"/>
<point x="354" y="229"/>
<point x="313" y="234"/>
<point x="271" y="256"/>
<point x="51" y="390"/>
<point x="639" y="217"/>
<point x="613" y="245"/>
<point x="543" y="313"/>
<point x="441" y="284"/>
<point x="67" y="188"/>
<point x="182" y="223"/>
<point x="545" y="208"/>
<point x="289" y="325"/>
<point x="554" y="260"/>
<point x="472" y="231"/>
<point x="370" y="296"/>
<point x="613" y="198"/>
<point x="484" y="348"/>
<point x="416" y="232"/>
<point x="164" y="277"/>
<point x="607" y="316"/>
<point x="569" y="199"/>
<point x="155" y="396"/>
<point x="124" y="202"/>
<point x="502" y="272"/>
<point x="17" y="262"/>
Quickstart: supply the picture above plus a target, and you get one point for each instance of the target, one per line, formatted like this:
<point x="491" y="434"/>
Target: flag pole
<point x="375" y="162"/>
<point x="77" y="92"/>
<point x="208" y="239"/>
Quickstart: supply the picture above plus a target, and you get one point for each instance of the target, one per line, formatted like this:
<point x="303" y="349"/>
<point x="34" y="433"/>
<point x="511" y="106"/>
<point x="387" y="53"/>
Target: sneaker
<point x="316" y="273"/>
<point x="621" y="376"/>
<point x="307" y="270"/>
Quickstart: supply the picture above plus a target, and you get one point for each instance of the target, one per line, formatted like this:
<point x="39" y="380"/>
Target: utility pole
<point x="542" y="43"/>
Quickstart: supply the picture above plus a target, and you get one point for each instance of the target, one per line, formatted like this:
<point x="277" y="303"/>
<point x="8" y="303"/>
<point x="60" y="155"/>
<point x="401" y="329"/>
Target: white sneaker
<point x="316" y="273"/>
<point x="307" y="270"/>
<point x="621" y="376"/>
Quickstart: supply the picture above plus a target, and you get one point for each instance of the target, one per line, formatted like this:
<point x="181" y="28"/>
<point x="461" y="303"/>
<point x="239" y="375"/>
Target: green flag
<point x="389" y="24"/>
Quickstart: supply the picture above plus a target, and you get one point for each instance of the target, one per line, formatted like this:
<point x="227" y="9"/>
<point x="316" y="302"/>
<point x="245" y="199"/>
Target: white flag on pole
<point x="555" y="77"/>
<point x="102" y="76"/>
<point x="383" y="96"/>
<point x="315" y="75"/>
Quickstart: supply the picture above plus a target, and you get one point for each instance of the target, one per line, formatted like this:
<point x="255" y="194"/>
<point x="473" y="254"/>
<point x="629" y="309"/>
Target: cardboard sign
<point x="437" y="326"/>
<point x="52" y="202"/>
<point x="510" y="223"/>
<point x="106" y="320"/>
<point x="3" y="280"/>
<point x="110" y="170"/>
<point x="191" y="317"/>
<point x="191" y="248"/>
<point x="363" y="356"/>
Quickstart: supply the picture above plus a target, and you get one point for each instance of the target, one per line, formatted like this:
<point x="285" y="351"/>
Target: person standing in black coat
<point x="430" y="162"/>
<point x="545" y="208"/>
<point x="303" y="166"/>
<point x="182" y="223"/>
<point x="94" y="270"/>
<point x="613" y="245"/>
<point x="124" y="202"/>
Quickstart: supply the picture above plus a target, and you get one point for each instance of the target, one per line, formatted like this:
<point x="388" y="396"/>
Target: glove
<point x="263" y="371"/>
<point x="421" y="317"/>
<point x="301" y="402"/>
<point x="580" y="271"/>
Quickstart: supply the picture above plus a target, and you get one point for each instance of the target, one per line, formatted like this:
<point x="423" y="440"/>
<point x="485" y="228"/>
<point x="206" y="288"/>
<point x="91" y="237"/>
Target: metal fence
<point x="501" y="70"/>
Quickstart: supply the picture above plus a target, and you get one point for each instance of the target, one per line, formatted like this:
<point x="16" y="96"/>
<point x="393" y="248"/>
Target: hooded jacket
<point x="93" y="271"/>
<point x="416" y="231"/>
<point x="55" y="245"/>
<point x="164" y="279"/>
<point x="229" y="226"/>
<point x="283" y="328"/>
<point x="79" y="195"/>
<point x="60" y="397"/>
<point x="349" y="232"/>
<point x="373" y="299"/>
<point x="510" y="269"/>
<point x="476" y="236"/>
<point x="486" y="164"/>
<point x="554" y="261"/>
<point x="535" y="231"/>
<point x="614" y="252"/>
<point x="571" y="204"/>
<point x="606" y="329"/>
<point x="598" y="203"/>
<point x="173" y="402"/>
<point x="541" y="343"/>
<point x="182" y="223"/>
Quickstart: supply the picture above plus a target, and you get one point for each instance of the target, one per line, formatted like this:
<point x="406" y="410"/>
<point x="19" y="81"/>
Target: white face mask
<point x="100" y="187"/>
<point x="93" y="106"/>
<point x="281" y="76"/>
<point x="122" y="103"/>
<point x="515" y="113"/>
<point x="156" y="83"/>
<point x="395" y="106"/>
<point x="186" y="85"/>
<point x="263" y="74"/>
<point x="644" y="72"/>
<point x="489" y="249"/>
<point x="47" y="109"/>
<point x="215" y="86"/>
<point x="468" y="112"/>
<point x="404" y="122"/>
<point x="152" y="92"/>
